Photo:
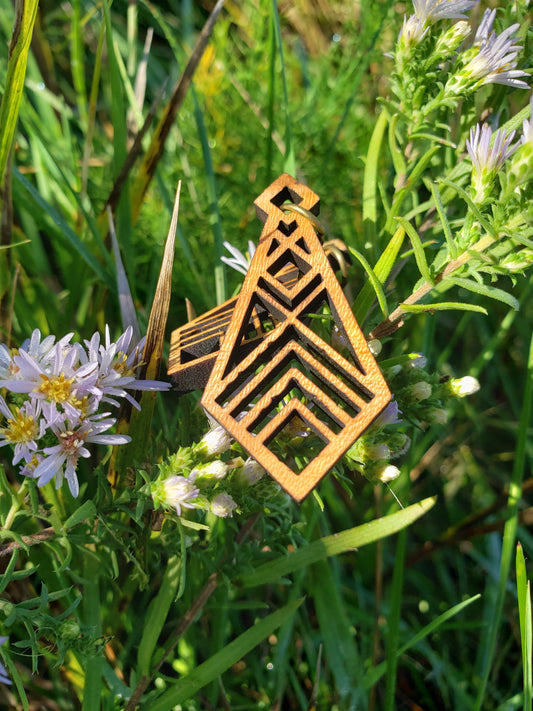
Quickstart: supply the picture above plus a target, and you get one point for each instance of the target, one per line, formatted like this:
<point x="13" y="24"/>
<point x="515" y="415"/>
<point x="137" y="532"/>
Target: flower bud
<point x="251" y="472"/>
<point x="223" y="505"/>
<point x="417" y="361"/>
<point x="381" y="472"/>
<point x="437" y="416"/>
<point x="417" y="392"/>
<point x="214" y="442"/>
<point x="448" y="42"/>
<point x="389" y="416"/>
<point x="461" y="387"/>
<point x="212" y="470"/>
<point x="399" y="444"/>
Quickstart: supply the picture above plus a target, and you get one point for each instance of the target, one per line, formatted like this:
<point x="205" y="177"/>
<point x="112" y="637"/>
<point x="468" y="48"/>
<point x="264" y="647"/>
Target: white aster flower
<point x="4" y="679"/>
<point x="43" y="350"/>
<point x="223" y="505"/>
<point x="179" y="492"/>
<point x="238" y="260"/>
<point x="62" y="458"/>
<point x="116" y="363"/>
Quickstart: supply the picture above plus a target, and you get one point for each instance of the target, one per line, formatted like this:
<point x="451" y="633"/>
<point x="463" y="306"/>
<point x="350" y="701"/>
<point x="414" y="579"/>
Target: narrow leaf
<point x="524" y="612"/>
<point x="85" y="511"/>
<point x="64" y="230"/>
<point x="443" y="306"/>
<point x="347" y="540"/>
<point x="418" y="249"/>
<point x="370" y="181"/>
<point x="382" y="270"/>
<point x="452" y="247"/>
<point x="373" y="280"/>
<point x="375" y="674"/>
<point x="217" y="664"/>
<point x="483" y="290"/>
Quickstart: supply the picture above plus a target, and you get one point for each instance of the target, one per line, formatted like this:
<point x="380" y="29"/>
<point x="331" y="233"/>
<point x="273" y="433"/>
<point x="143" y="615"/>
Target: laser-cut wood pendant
<point x="276" y="373"/>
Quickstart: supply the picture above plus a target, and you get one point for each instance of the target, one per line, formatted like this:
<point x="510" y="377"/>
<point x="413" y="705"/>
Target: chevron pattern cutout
<point x="291" y="384"/>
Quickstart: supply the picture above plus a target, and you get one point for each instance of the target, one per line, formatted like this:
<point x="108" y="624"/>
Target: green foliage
<point x="112" y="600"/>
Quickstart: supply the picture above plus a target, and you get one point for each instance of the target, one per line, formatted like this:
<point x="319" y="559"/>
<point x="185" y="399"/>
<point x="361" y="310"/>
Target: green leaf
<point x="418" y="249"/>
<point x="370" y="181"/>
<point x="65" y="231"/>
<point x="443" y="306"/>
<point x="374" y="281"/>
<point x="524" y="611"/>
<point x="452" y="247"/>
<point x="377" y="672"/>
<point x="382" y="270"/>
<point x="483" y="290"/>
<point x="482" y="219"/>
<point x="26" y="12"/>
<point x="157" y="614"/>
<point x="186" y="687"/>
<point x="86" y="511"/>
<point x="347" y="540"/>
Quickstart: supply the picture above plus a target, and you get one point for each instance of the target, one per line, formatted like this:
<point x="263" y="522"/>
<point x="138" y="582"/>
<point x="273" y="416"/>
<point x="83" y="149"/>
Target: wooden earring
<point x="275" y="373"/>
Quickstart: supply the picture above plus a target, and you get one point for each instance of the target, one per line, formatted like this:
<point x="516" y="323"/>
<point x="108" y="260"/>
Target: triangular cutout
<point x="247" y="389"/>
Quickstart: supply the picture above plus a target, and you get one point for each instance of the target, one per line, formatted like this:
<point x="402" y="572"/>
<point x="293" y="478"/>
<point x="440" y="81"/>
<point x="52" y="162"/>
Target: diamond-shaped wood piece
<point x="291" y="379"/>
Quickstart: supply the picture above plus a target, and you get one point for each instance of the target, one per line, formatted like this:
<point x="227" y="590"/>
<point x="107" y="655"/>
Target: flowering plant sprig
<point x="419" y="398"/>
<point x="197" y="477"/>
<point x="434" y="70"/>
<point x="57" y="391"/>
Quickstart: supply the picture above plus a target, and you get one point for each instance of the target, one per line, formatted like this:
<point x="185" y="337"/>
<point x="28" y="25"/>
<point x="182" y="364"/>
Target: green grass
<point x="428" y="618"/>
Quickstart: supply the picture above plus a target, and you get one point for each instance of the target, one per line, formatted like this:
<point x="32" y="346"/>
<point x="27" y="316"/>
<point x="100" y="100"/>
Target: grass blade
<point x="338" y="543"/>
<point x="289" y="164"/>
<point x="152" y="156"/>
<point x="217" y="664"/>
<point x="509" y="535"/>
<point x="26" y="12"/>
<point x="375" y="674"/>
<point x="524" y="607"/>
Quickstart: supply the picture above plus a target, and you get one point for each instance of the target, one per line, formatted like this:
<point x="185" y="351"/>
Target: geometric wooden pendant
<point x="277" y="371"/>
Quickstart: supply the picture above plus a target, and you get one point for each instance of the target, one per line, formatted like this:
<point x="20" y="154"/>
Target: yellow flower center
<point x="56" y="387"/>
<point x="21" y="428"/>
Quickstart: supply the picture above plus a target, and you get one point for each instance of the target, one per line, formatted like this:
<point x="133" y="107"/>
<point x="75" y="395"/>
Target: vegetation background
<point x="293" y="88"/>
